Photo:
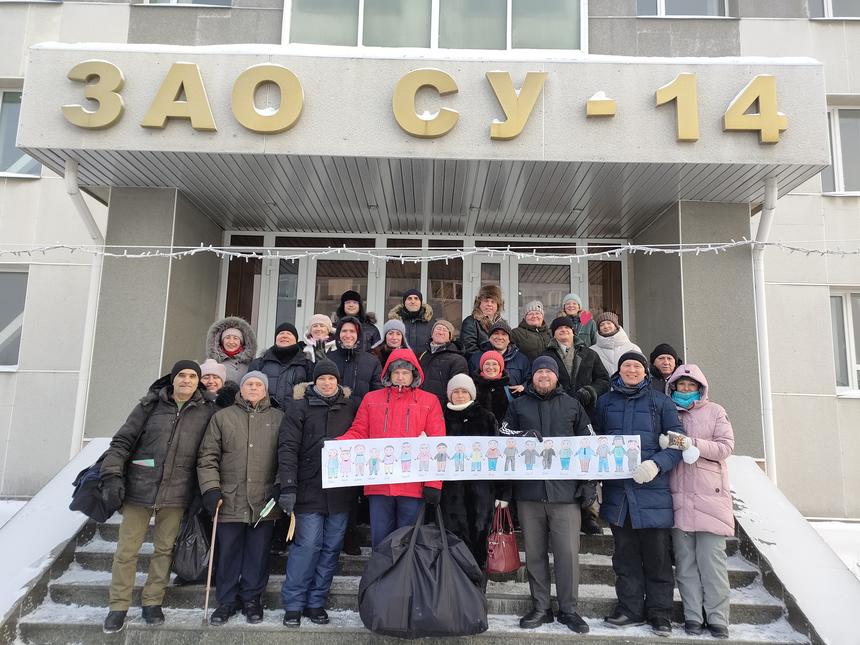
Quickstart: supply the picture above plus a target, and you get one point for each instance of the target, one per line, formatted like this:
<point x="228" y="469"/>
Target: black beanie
<point x="184" y="364"/>
<point x="285" y="326"/>
<point x="633" y="356"/>
<point x="412" y="292"/>
<point x="323" y="368"/>
<point x="562" y="321"/>
<point x="665" y="348"/>
<point x="350" y="295"/>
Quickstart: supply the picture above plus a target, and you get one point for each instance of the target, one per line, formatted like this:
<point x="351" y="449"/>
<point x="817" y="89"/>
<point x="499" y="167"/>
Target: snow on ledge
<point x="35" y="536"/>
<point x="820" y="583"/>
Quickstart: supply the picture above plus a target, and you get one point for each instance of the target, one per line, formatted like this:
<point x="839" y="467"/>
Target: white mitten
<point x="500" y="503"/>
<point x="663" y="440"/>
<point x="690" y="455"/>
<point x="645" y="472"/>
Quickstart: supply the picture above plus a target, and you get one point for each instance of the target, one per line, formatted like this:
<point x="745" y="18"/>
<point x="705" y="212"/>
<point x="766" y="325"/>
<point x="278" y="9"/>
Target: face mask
<point x="686" y="399"/>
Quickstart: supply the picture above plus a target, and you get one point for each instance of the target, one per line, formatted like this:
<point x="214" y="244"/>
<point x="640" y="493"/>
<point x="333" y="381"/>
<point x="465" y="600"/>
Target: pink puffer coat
<point x="701" y="494"/>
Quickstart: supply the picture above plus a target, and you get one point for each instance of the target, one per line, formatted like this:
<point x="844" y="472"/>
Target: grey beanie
<point x="257" y="375"/>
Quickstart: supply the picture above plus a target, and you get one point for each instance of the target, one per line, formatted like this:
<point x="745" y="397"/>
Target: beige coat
<point x="239" y="455"/>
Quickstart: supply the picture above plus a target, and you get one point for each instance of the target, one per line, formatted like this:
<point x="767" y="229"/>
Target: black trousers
<point x="643" y="571"/>
<point x="242" y="571"/>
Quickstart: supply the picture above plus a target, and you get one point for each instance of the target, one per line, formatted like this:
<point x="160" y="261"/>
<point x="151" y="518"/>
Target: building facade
<point x="492" y="141"/>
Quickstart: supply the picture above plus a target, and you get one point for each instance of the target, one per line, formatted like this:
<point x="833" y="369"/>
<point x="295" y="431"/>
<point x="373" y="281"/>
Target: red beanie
<point x="495" y="356"/>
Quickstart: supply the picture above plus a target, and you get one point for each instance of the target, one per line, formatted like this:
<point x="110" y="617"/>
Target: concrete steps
<point x="77" y="599"/>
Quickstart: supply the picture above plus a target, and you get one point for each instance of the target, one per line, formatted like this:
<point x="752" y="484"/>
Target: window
<point x="13" y="291"/>
<point x="834" y="8"/>
<point x="845" y="326"/>
<point x="448" y="24"/>
<point x="712" y="8"/>
<point x="844" y="174"/>
<point x="12" y="160"/>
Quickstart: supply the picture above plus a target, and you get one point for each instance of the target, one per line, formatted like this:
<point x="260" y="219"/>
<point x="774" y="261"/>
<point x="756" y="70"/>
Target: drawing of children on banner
<point x="603" y="455"/>
<point x="459" y="458"/>
<point x="476" y="457"/>
<point x="633" y="453"/>
<point x="530" y="454"/>
<point x="492" y="455"/>
<point x="424" y="458"/>
<point x="405" y="457"/>
<point x="358" y="460"/>
<point x="584" y="454"/>
<point x="441" y="458"/>
<point x="388" y="460"/>
<point x="373" y="463"/>
<point x="619" y="453"/>
<point x="332" y="464"/>
<point x="510" y="455"/>
<point x="547" y="454"/>
<point x="564" y="454"/>
<point x="345" y="462"/>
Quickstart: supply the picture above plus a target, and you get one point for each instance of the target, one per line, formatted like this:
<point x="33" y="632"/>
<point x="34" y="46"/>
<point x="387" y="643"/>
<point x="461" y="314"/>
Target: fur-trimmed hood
<point x="213" y="340"/>
<point x="300" y="389"/>
<point x="396" y="312"/>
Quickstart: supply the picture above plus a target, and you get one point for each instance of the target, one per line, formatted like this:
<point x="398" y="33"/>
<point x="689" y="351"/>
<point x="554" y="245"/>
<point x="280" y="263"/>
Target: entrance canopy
<point x="267" y="138"/>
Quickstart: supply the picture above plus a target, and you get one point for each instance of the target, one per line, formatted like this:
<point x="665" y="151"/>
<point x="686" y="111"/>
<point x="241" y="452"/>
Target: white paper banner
<point x="417" y="459"/>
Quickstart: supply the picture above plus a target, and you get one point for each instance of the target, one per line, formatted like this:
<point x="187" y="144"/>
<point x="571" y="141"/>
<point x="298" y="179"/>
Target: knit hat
<point x="320" y="318"/>
<point x="607" y="315"/>
<point x="461" y="381"/>
<point x="446" y="325"/>
<point x="500" y="325"/>
<point x="290" y="327"/>
<point x="255" y="374"/>
<point x="350" y="295"/>
<point x="571" y="297"/>
<point x="394" y="325"/>
<point x="178" y="366"/>
<point x="534" y="305"/>
<point x="325" y="368"/>
<point x="232" y="331"/>
<point x="412" y="292"/>
<point x="545" y="363"/>
<point x="633" y="356"/>
<point x="664" y="348"/>
<point x="562" y="321"/>
<point x="211" y="366"/>
<point x="492" y="355"/>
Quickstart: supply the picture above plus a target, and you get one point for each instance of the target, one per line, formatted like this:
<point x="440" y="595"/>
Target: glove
<point x="113" y="491"/>
<point x="500" y="503"/>
<point x="534" y="433"/>
<point x="684" y="441"/>
<point x="585" y="396"/>
<point x="432" y="495"/>
<point x="645" y="472"/>
<point x="287" y="502"/>
<point x="276" y="491"/>
<point x="663" y="440"/>
<point x="586" y="493"/>
<point x="211" y="499"/>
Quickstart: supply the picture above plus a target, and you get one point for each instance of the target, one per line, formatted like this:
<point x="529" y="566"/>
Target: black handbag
<point x="422" y="581"/>
<point x="191" y="550"/>
<point x="87" y="496"/>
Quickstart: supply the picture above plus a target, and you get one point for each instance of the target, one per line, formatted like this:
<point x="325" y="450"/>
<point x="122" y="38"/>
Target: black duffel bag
<point x="422" y="581"/>
<point x="87" y="496"/>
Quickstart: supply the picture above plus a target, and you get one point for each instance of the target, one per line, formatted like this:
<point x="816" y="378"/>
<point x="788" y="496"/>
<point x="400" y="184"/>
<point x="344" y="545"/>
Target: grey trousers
<point x="702" y="576"/>
<point x="553" y="526"/>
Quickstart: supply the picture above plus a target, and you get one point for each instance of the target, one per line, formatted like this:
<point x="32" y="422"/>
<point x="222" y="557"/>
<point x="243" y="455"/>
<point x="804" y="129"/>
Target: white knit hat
<point x="461" y="381"/>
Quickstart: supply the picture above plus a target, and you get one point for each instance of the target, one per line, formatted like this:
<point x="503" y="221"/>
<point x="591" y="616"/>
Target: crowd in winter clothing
<point x="243" y="433"/>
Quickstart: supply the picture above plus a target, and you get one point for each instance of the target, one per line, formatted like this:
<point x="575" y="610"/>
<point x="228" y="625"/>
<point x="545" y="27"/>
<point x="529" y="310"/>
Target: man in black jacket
<point x="351" y="304"/>
<point x="284" y="363"/>
<point x="549" y="510"/>
<point x="359" y="371"/>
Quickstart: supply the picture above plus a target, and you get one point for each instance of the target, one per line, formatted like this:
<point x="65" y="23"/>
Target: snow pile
<point x="8" y="508"/>
<point x="844" y="539"/>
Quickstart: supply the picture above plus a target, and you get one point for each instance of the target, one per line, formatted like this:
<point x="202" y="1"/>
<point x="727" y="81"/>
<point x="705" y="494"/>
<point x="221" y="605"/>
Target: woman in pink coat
<point x="702" y="503"/>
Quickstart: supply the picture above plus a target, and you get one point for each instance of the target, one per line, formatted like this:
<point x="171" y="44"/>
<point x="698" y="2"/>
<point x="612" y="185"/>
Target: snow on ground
<point x="844" y="539"/>
<point x="8" y="507"/>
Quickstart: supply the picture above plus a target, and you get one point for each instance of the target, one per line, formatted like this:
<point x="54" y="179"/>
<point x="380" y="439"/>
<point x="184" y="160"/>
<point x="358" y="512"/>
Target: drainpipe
<point x="761" y="237"/>
<point x="74" y="192"/>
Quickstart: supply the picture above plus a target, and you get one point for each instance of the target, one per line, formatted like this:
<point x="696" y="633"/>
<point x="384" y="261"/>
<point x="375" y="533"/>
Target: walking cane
<point x="211" y="558"/>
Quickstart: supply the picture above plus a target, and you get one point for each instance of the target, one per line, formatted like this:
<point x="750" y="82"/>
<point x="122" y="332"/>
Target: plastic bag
<point x="191" y="550"/>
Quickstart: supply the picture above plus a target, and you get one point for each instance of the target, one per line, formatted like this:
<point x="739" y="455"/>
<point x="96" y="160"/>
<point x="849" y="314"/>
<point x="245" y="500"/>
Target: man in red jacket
<point x="398" y="410"/>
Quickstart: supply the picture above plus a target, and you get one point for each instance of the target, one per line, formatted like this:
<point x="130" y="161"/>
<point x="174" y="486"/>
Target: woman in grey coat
<point x="232" y="342"/>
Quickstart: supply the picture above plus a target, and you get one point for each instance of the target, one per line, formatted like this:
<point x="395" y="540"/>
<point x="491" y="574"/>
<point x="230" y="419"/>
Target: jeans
<point x="390" y="513"/>
<point x="312" y="560"/>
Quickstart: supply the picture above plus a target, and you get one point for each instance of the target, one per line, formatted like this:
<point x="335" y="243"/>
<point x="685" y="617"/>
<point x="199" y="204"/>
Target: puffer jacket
<point x="648" y="414"/>
<point x="473" y="334"/>
<point x="239" y="455"/>
<point x="309" y="421"/>
<point x="283" y="375"/>
<point x="588" y="380"/>
<point x="517" y="366"/>
<point x="551" y="415"/>
<point x="419" y="325"/>
<point x="701" y="491"/>
<point x="159" y="431"/>
<point x="393" y="413"/>
<point x="359" y="371"/>
<point x="611" y="348"/>
<point x="439" y="367"/>
<point x="237" y="365"/>
<point x="532" y="341"/>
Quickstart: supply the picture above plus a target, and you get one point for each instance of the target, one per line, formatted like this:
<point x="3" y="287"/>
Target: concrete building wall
<point x="248" y="21"/>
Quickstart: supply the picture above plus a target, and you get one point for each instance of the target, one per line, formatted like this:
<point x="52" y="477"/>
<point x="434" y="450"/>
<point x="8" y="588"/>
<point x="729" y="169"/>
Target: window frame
<point x="836" y="152"/>
<point x="827" y="8"/>
<point x="17" y="175"/>
<point x="661" y="13"/>
<point x="848" y="323"/>
<point x="434" y="34"/>
<point x="24" y="269"/>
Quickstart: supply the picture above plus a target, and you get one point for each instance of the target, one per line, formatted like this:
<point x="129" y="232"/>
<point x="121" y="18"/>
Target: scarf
<point x="459" y="407"/>
<point x="233" y="353"/>
<point x="285" y="353"/>
<point x="405" y="314"/>
<point x="686" y="399"/>
<point x="628" y="390"/>
<point x="328" y="399"/>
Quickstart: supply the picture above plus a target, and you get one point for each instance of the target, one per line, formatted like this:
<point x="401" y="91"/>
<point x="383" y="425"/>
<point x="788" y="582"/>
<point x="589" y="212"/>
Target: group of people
<point x="245" y="432"/>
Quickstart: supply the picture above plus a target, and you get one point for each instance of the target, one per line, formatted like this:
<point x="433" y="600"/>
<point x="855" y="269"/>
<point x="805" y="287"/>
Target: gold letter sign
<point x="518" y="105"/>
<point x="104" y="91"/>
<point x="271" y="121"/>
<point x="768" y="120"/>
<point x="682" y="90"/>
<point x="403" y="104"/>
<point x="182" y="79"/>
